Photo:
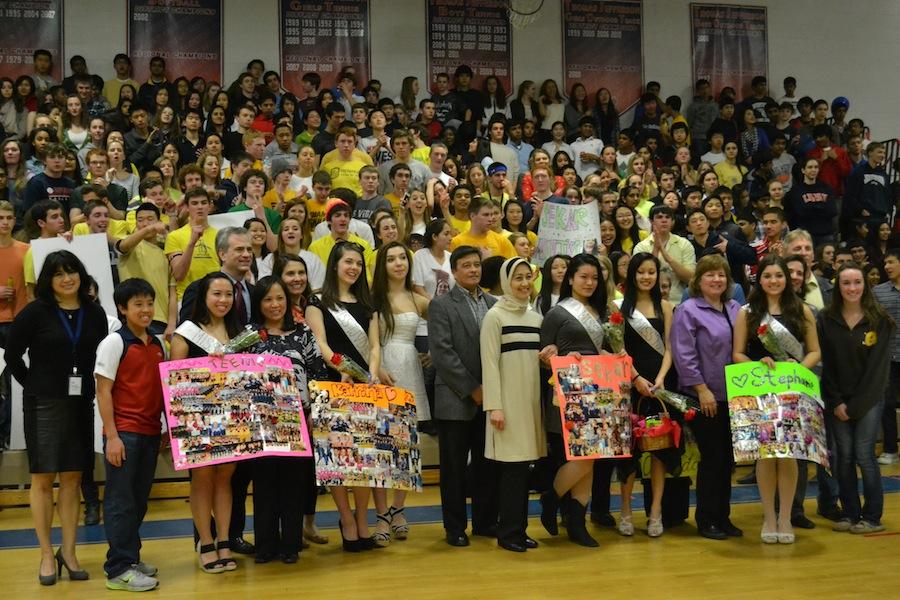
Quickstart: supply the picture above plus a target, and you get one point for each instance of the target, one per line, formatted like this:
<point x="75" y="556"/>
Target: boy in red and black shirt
<point x="130" y="399"/>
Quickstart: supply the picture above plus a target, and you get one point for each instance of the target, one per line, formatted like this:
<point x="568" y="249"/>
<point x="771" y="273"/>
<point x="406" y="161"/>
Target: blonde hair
<point x="405" y="219"/>
<point x="611" y="280"/>
<point x="711" y="262"/>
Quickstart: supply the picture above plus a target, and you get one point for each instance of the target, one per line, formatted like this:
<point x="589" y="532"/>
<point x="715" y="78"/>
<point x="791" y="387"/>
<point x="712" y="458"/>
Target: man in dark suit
<point x="454" y="322"/>
<point x="235" y="255"/>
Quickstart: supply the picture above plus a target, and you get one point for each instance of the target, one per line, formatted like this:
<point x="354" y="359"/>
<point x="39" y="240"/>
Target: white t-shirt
<point x="297" y="182"/>
<point x="435" y="277"/>
<point x="357" y="228"/>
<point x="713" y="158"/>
<point x="622" y="161"/>
<point x="315" y="270"/>
<point x="591" y="145"/>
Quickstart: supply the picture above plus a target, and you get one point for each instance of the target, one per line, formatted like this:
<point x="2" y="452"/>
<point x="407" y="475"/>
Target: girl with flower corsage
<point x="776" y="325"/>
<point x="856" y="335"/>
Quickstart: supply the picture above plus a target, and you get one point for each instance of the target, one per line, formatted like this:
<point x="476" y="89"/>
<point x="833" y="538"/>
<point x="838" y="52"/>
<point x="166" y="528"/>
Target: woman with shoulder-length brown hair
<point x="701" y="337"/>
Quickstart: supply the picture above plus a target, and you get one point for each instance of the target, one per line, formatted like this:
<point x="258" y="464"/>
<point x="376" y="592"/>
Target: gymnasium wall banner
<point x="26" y="26"/>
<point x="188" y="35"/>
<point x="324" y="37"/>
<point x="602" y="47"/>
<point x="476" y="33"/>
<point x="729" y="45"/>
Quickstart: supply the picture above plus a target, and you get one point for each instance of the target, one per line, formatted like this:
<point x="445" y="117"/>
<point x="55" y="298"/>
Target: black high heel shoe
<point x="81" y="575"/>
<point x="47" y="579"/>
<point x="349" y="545"/>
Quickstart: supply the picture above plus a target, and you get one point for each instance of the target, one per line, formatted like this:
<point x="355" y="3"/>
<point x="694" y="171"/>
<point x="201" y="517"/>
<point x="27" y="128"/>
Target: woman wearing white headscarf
<point x="510" y="343"/>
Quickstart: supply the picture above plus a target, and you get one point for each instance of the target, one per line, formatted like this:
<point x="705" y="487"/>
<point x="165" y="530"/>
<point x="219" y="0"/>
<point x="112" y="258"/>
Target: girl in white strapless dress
<point x="400" y="310"/>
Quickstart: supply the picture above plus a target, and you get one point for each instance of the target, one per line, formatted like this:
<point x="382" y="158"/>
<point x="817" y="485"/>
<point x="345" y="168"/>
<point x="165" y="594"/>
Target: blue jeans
<point x="827" y="483"/>
<point x="125" y="500"/>
<point x="855" y="441"/>
<point x="5" y="393"/>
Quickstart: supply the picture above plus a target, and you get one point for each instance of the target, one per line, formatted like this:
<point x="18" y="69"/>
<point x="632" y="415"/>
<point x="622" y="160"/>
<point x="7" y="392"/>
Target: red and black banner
<point x="26" y="26"/>
<point x="186" y="33"/>
<point x="324" y="37"/>
<point x="476" y="33"/>
<point x="729" y="44"/>
<point x="602" y="48"/>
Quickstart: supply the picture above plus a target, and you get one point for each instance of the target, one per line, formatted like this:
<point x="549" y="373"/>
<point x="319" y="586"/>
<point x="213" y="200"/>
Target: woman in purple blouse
<point x="701" y="337"/>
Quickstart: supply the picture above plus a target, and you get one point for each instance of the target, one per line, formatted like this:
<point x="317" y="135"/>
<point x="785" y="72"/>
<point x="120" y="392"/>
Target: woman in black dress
<point x="280" y="482"/>
<point x="773" y="302"/>
<point x="648" y="319"/>
<point x="60" y="331"/>
<point x="344" y="322"/>
<point x="215" y="315"/>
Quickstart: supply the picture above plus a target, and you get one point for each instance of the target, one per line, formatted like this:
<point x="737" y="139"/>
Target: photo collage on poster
<point x="365" y="436"/>
<point x="594" y="397"/>
<point x="218" y="416"/>
<point x="778" y="425"/>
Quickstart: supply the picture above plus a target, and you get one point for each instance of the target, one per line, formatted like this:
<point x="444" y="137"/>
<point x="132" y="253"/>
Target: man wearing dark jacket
<point x="868" y="192"/>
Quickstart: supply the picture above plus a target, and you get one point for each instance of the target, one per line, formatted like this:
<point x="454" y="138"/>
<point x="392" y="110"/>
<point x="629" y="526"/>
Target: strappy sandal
<point x="311" y="535"/>
<point x="228" y="564"/>
<point x="382" y="535"/>
<point x="212" y="567"/>
<point x="401" y="531"/>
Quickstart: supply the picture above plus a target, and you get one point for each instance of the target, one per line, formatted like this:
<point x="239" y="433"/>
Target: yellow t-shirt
<point x="490" y="244"/>
<point x="28" y="268"/>
<point x="323" y="246"/>
<point x="395" y="201"/>
<point x="117" y="228"/>
<point x="148" y="261"/>
<point x="131" y="221"/>
<point x="458" y="224"/>
<point x="422" y="154"/>
<point x="357" y="154"/>
<point x="204" y="259"/>
<point x="270" y="198"/>
<point x="345" y="173"/>
<point x="729" y="175"/>
<point x="315" y="212"/>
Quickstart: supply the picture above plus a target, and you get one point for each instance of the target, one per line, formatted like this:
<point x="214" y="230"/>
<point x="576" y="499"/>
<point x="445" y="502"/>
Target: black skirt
<point x="59" y="433"/>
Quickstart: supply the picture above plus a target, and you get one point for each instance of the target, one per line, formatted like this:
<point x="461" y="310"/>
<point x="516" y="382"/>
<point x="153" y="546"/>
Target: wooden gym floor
<point x="822" y="564"/>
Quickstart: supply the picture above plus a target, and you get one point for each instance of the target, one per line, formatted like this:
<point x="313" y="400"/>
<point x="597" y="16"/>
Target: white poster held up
<point x="567" y="229"/>
<point x="93" y="251"/>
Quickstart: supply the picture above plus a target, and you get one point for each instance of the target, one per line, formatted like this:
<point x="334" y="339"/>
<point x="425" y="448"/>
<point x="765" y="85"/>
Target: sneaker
<point x="132" y="580"/>
<point x="866" y="527"/>
<point x="625" y="526"/>
<point x="888" y="459"/>
<point x="146" y="568"/>
<point x="843" y="525"/>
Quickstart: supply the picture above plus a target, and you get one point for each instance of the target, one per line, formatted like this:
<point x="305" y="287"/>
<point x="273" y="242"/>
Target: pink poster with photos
<point x="233" y="407"/>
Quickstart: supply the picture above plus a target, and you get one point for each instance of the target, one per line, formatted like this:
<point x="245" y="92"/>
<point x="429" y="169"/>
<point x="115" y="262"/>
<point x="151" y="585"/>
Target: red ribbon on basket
<point x="640" y="430"/>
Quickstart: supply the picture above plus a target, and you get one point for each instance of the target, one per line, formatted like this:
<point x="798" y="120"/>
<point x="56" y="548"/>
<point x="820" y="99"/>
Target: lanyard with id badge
<point x="74" y="336"/>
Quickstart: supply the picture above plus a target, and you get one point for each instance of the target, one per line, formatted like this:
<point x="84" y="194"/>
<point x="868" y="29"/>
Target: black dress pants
<point x="714" y="471"/>
<point x="513" y="501"/>
<point x="278" y="487"/>
<point x="457" y="439"/>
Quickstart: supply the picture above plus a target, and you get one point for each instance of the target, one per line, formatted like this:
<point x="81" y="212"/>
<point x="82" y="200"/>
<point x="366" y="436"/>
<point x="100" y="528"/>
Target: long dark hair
<point x="381" y="287"/>
<point x="65" y="261"/>
<point x="499" y="95"/>
<point x="262" y="287"/>
<point x="598" y="299"/>
<point x="631" y="292"/>
<point x="634" y="232"/>
<point x="521" y="227"/>
<point x="544" y="296"/>
<point x="872" y="310"/>
<point x="200" y="313"/>
<point x="791" y="304"/>
<point x="360" y="289"/>
<point x="280" y="263"/>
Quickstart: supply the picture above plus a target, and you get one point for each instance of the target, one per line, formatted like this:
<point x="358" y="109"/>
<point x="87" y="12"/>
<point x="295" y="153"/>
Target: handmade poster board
<point x="365" y="436"/>
<point x="594" y="398"/>
<point x="234" y="407"/>
<point x="775" y="413"/>
<point x="568" y="230"/>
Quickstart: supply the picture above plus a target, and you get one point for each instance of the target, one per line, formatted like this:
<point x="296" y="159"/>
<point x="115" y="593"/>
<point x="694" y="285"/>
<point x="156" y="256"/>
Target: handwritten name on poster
<point x="594" y="398"/>
<point x="567" y="229"/>
<point x="365" y="436"/>
<point x="775" y="413"/>
<point x="234" y="407"/>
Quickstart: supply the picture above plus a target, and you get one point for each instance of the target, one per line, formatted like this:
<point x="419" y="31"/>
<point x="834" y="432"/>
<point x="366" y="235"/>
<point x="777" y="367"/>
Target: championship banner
<point x="775" y="413"/>
<point x="188" y="35"/>
<point x="233" y="407"/>
<point x="594" y="399"/>
<point x="26" y="26"/>
<point x="470" y="32"/>
<point x="365" y="436"/>
<point x="567" y="229"/>
<point x="602" y="47"/>
<point x="323" y="37"/>
<point x="729" y="45"/>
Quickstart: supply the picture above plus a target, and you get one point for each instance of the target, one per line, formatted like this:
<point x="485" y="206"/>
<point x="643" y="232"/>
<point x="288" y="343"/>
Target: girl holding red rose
<point x="776" y="312"/>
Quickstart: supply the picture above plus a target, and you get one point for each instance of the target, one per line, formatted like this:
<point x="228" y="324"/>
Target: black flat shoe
<point x="369" y="543"/>
<point x="92" y="513"/>
<point x="731" y="530"/>
<point x="47" y="579"/>
<point x="349" y="545"/>
<point x="604" y="520"/>
<point x="290" y="558"/>
<point x="530" y="543"/>
<point x="512" y="546"/>
<point x="802" y="522"/>
<point x="712" y="532"/>
<point x="262" y="558"/>
<point x="457" y="539"/>
<point x="241" y="546"/>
